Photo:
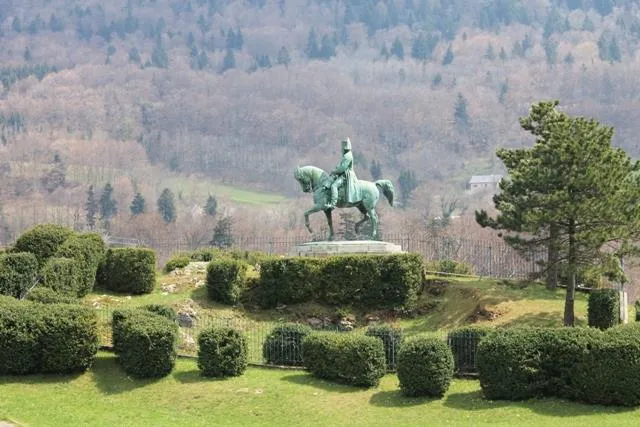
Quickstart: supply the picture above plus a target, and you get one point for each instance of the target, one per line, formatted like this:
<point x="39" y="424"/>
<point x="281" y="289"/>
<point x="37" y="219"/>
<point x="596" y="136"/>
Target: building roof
<point x="485" y="179"/>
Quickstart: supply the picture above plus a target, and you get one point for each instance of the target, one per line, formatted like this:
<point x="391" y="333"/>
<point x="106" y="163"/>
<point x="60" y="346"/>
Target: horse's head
<point x="302" y="179"/>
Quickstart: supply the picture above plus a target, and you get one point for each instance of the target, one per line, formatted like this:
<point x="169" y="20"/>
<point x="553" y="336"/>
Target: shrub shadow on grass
<point x="39" y="378"/>
<point x="111" y="379"/>
<point x="395" y="399"/>
<point x="194" y="376"/>
<point x="475" y="401"/>
<point x="311" y="381"/>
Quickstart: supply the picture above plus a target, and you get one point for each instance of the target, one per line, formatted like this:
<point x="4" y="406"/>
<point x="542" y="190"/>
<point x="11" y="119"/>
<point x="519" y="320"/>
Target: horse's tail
<point x="387" y="189"/>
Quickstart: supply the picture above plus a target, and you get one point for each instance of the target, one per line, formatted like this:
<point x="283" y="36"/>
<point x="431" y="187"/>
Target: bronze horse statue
<point x="313" y="180"/>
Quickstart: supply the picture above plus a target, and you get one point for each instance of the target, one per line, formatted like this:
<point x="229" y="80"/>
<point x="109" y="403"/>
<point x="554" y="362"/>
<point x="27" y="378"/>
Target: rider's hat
<point x="346" y="144"/>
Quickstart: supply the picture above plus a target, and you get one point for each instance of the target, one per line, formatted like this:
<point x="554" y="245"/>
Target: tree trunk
<point x="552" y="258"/>
<point x="569" y="315"/>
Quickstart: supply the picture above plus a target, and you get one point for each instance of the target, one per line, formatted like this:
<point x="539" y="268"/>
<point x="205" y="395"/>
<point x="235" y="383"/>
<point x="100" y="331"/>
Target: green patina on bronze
<point x="342" y="189"/>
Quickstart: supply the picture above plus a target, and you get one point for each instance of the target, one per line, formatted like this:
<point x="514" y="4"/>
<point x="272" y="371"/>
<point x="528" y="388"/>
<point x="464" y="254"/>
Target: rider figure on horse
<point x="343" y="174"/>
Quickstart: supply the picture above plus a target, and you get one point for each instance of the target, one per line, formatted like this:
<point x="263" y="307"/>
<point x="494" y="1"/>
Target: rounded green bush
<point x="64" y="276"/>
<point x="175" y="262"/>
<point x="18" y="272"/>
<point x="145" y="343"/>
<point x="226" y="280"/>
<point x="21" y="327"/>
<point x="464" y="343"/>
<point x="603" y="310"/>
<point x="283" y="345"/>
<point x="128" y="270"/>
<point x="222" y="352"/>
<point x="89" y="250"/>
<point x="162" y="310"/>
<point x="42" y="240"/>
<point x="49" y="296"/>
<point x="425" y="367"/>
<point x="392" y="338"/>
<point x="70" y="339"/>
<point x="345" y="357"/>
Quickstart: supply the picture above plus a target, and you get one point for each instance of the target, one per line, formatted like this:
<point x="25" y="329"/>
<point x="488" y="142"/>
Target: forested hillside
<point x="130" y="92"/>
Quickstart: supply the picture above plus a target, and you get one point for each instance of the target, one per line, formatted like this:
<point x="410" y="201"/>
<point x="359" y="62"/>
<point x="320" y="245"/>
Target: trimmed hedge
<point x="42" y="240"/>
<point x="65" y="276"/>
<point x="425" y="367"/>
<point x="283" y="345"/>
<point x="162" y="310"/>
<point x="464" y="343"/>
<point x="450" y="266"/>
<point x="128" y="270"/>
<point x="603" y="310"/>
<point x="575" y="363"/>
<point x="175" y="262"/>
<point x="55" y="338"/>
<point x="391" y="339"/>
<point x="89" y="250"/>
<point x="222" y="352"/>
<point x="18" y="272"/>
<point x="49" y="296"/>
<point x="226" y="280"/>
<point x="145" y="343"/>
<point x="382" y="281"/>
<point x="347" y="358"/>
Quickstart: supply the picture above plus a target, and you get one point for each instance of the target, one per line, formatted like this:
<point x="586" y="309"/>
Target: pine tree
<point x="283" y="57"/>
<point x="327" y="48"/>
<point x="91" y="208"/>
<point x="159" y="57"/>
<point x="167" y="206"/>
<point x="503" y="54"/>
<point x="229" y="61"/>
<point x="138" y="205"/>
<point x="134" y="55"/>
<point x="408" y="183"/>
<point x="376" y="170"/>
<point x="460" y="114"/>
<point x="384" y="52"/>
<point x="211" y="207"/>
<point x="448" y="56"/>
<point x="56" y="177"/>
<point x="571" y="193"/>
<point x="223" y="233"/>
<point x="490" y="53"/>
<point x="397" y="49"/>
<point x="312" y="50"/>
<point x="108" y="205"/>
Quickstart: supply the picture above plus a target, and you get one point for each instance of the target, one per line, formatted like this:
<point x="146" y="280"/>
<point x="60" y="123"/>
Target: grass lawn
<point x="104" y="396"/>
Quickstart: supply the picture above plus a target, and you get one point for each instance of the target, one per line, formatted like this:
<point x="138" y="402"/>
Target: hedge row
<point x="52" y="338"/>
<point x="348" y="358"/>
<point x="18" y="272"/>
<point x="283" y="345"/>
<point x="580" y="364"/>
<point x="128" y="270"/>
<point x="226" y="280"/>
<point x="144" y="342"/>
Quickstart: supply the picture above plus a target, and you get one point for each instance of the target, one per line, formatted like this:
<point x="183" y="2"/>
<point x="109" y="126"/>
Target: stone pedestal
<point x="345" y="247"/>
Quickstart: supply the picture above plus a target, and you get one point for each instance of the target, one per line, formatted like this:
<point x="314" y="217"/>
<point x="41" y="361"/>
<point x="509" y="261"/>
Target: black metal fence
<point x="288" y="350"/>
<point x="486" y="258"/>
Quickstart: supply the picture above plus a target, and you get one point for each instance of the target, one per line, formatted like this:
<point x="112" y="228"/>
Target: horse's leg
<point x="306" y="216"/>
<point x="327" y="213"/>
<point x="374" y="223"/>
<point x="365" y="217"/>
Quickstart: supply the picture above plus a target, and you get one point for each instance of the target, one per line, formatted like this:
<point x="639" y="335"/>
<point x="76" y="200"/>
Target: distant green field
<point x="105" y="396"/>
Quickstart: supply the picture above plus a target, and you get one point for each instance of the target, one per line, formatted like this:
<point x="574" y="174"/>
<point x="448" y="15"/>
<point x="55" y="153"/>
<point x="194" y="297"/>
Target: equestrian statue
<point x="342" y="189"/>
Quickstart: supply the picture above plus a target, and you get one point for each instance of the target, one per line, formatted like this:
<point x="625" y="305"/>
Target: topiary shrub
<point x="288" y="281"/>
<point x="464" y="343"/>
<point x="222" y="352"/>
<point x="162" y="310"/>
<point x="128" y="270"/>
<point x="64" y="276"/>
<point x="283" y="345"/>
<point x="603" y="309"/>
<point x="89" y="250"/>
<point x="391" y="339"/>
<point x="42" y="240"/>
<point x="69" y="341"/>
<point x="425" y="367"/>
<point x="175" y="262"/>
<point x="21" y="327"/>
<point x="348" y="358"/>
<point x="226" y="280"/>
<point x="450" y="266"/>
<point x="145" y="343"/>
<point x="55" y="338"/>
<point x="18" y="272"/>
<point x="49" y="296"/>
